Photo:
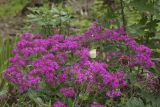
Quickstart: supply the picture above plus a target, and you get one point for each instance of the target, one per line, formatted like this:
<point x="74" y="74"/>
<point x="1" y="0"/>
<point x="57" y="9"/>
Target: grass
<point x="11" y="8"/>
<point x="6" y="46"/>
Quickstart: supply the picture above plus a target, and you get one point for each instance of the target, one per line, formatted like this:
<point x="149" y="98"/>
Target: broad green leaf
<point x="135" y="102"/>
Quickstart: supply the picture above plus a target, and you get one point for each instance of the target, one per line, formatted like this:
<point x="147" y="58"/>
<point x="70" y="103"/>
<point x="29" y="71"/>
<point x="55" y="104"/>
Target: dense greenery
<point x="103" y="53"/>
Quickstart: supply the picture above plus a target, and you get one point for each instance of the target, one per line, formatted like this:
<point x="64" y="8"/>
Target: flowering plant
<point x="65" y="63"/>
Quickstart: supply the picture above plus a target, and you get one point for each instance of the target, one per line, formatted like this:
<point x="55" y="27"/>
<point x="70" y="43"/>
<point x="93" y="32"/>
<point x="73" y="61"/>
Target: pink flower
<point x="95" y="104"/>
<point x="67" y="92"/>
<point x="113" y="93"/>
<point x="58" y="104"/>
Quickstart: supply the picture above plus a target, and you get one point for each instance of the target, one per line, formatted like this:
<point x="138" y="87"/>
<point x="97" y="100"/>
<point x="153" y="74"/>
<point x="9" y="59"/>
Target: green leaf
<point x="69" y="102"/>
<point x="135" y="102"/>
<point x="33" y="96"/>
<point x="142" y="5"/>
<point x="3" y="92"/>
<point x="83" y="96"/>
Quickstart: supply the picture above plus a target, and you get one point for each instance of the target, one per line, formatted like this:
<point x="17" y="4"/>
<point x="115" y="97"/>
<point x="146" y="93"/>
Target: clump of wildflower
<point x="113" y="93"/>
<point x="59" y="104"/>
<point x="148" y="80"/>
<point x="57" y="60"/>
<point x="67" y="92"/>
<point x="95" y="104"/>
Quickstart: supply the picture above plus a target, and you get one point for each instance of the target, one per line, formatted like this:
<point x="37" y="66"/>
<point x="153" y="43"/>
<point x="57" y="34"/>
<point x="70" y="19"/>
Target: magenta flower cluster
<point x="148" y="80"/>
<point x="95" y="104"/>
<point x="58" y="60"/>
<point x="141" y="55"/>
<point x="67" y="92"/>
<point x="59" y="104"/>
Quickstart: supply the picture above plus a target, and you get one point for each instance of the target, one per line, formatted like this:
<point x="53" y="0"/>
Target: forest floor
<point x="11" y="19"/>
<point x="11" y="26"/>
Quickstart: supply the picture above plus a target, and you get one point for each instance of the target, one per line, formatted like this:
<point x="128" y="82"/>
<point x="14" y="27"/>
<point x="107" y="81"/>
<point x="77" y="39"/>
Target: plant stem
<point x="123" y="15"/>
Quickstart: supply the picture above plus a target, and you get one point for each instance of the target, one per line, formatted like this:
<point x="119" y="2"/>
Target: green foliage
<point x="135" y="102"/>
<point x="80" y="25"/>
<point x="146" y="100"/>
<point x="146" y="13"/>
<point x="141" y="19"/>
<point x="11" y="7"/>
<point x="151" y="100"/>
<point x="49" y="21"/>
<point x="104" y="14"/>
<point x="6" y="46"/>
